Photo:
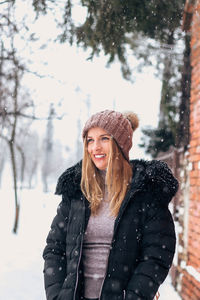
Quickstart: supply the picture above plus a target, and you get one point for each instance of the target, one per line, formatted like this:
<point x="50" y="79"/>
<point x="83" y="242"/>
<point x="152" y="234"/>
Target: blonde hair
<point x="118" y="178"/>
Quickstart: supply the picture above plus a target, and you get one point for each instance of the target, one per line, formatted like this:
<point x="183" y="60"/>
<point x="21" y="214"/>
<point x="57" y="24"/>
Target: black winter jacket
<point x="143" y="243"/>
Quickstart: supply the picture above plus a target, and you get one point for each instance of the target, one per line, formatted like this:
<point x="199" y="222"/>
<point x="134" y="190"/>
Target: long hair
<point x="118" y="178"/>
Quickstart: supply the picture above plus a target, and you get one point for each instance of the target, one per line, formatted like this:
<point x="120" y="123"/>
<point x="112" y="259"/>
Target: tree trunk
<point x="166" y="88"/>
<point x="12" y="149"/>
<point x="2" y="163"/>
<point x="14" y="171"/>
<point x="184" y="109"/>
<point x="45" y="183"/>
<point x="22" y="165"/>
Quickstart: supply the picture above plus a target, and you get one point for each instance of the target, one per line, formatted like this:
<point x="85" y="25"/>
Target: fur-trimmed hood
<point x="153" y="176"/>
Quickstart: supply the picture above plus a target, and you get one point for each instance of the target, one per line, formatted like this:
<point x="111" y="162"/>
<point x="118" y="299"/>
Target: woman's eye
<point x="89" y="141"/>
<point x="105" y="138"/>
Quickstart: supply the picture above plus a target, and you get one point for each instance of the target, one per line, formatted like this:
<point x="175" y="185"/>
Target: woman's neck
<point x="103" y="176"/>
<point x="103" y="173"/>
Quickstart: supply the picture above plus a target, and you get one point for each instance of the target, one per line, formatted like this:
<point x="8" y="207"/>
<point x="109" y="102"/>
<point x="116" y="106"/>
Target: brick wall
<point x="190" y="289"/>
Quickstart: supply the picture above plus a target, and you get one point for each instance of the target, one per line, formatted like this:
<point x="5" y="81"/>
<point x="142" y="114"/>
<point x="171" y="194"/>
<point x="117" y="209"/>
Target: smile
<point x="99" y="155"/>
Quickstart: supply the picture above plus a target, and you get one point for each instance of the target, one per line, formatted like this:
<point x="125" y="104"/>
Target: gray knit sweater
<point x="96" y="247"/>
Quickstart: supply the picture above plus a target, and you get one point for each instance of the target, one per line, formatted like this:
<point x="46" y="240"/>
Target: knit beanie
<point x="119" y="125"/>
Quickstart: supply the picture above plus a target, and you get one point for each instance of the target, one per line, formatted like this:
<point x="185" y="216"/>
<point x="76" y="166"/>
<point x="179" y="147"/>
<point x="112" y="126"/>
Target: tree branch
<point x="32" y="117"/>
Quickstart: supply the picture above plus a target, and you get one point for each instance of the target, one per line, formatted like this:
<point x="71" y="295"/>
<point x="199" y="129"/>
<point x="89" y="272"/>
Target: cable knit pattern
<point x="117" y="125"/>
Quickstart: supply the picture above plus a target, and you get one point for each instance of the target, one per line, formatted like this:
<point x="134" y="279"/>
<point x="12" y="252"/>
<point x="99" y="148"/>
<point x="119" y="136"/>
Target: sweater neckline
<point x="103" y="173"/>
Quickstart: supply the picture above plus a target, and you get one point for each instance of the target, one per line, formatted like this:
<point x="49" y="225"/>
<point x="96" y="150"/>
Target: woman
<point x="113" y="236"/>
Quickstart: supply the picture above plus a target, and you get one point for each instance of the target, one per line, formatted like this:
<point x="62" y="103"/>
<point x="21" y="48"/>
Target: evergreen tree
<point x="113" y="26"/>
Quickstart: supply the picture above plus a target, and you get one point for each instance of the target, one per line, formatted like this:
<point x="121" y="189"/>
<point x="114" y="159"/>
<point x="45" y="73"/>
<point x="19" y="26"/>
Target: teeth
<point x="99" y="156"/>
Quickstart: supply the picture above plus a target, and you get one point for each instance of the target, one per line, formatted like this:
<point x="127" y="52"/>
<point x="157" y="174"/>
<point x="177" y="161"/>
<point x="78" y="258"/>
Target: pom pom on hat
<point x="133" y="118"/>
<point x="120" y="125"/>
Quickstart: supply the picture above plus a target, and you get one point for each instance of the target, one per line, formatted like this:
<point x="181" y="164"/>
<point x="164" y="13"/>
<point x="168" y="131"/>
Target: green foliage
<point x="160" y="139"/>
<point x="151" y="29"/>
<point x="40" y="6"/>
<point x="108" y="23"/>
<point x="157" y="140"/>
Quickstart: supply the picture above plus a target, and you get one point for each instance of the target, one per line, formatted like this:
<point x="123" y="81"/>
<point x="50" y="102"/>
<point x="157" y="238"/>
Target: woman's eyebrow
<point x="105" y="134"/>
<point x="100" y="135"/>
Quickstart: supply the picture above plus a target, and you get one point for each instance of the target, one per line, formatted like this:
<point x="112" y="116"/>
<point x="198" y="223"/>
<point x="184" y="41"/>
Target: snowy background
<point x="69" y="81"/>
<point x="21" y="267"/>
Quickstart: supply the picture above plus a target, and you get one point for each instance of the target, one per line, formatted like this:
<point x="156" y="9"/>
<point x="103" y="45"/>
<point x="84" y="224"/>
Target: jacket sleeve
<point x="54" y="253"/>
<point x="158" y="247"/>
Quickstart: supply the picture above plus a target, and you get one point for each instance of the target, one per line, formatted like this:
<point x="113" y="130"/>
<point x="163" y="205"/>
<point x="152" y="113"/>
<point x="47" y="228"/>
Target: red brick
<point x="190" y="286"/>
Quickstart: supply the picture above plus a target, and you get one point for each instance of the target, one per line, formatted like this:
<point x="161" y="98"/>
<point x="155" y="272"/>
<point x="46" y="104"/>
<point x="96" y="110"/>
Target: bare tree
<point x="16" y="106"/>
<point x="14" y="103"/>
<point x="32" y="157"/>
<point x="48" y="150"/>
<point x="10" y="121"/>
<point x="3" y="157"/>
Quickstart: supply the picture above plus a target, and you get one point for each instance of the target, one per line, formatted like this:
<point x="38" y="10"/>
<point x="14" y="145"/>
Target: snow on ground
<point x="167" y="291"/>
<point x="21" y="276"/>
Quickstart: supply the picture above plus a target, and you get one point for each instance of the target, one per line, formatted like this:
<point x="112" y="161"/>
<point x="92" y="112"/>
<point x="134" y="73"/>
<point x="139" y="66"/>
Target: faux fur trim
<point x="153" y="176"/>
<point x="70" y="180"/>
<point x="157" y="178"/>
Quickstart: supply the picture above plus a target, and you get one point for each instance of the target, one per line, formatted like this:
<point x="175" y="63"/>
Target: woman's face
<point x="99" y="147"/>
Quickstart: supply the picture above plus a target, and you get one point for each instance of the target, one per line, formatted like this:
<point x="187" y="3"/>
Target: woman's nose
<point x="97" y="145"/>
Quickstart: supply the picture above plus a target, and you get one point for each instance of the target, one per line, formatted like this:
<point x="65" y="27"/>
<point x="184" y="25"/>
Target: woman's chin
<point x="101" y="165"/>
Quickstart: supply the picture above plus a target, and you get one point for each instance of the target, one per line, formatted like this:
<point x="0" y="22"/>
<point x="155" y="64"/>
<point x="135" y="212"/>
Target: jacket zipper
<point x="113" y="239"/>
<point x="80" y="254"/>
<point x="77" y="275"/>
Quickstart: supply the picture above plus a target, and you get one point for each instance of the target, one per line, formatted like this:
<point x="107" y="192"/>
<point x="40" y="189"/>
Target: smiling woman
<point x="99" y="146"/>
<point x="113" y="236"/>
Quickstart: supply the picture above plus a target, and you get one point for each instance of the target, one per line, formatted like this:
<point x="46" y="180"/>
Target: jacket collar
<point x="69" y="181"/>
<point x="153" y="176"/>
